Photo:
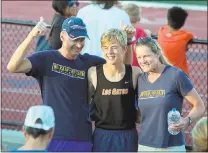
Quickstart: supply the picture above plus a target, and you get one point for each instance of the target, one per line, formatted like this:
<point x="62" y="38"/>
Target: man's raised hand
<point x="40" y="27"/>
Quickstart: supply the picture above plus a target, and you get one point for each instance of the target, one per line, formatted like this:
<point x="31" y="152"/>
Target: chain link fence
<point x="20" y="92"/>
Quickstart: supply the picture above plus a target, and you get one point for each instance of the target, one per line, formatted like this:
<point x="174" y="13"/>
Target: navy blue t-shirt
<point x="155" y="101"/>
<point x="63" y="85"/>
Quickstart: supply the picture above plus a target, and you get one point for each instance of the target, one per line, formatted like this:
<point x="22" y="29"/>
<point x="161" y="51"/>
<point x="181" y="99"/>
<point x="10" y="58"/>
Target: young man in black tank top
<point x="114" y="84"/>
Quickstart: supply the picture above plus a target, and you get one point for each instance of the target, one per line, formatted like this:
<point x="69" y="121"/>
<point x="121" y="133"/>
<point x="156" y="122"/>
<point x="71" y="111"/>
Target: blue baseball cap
<point x="75" y="28"/>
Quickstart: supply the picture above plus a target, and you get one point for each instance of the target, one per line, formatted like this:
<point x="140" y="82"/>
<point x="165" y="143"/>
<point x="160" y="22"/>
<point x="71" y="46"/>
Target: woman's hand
<point x="181" y="126"/>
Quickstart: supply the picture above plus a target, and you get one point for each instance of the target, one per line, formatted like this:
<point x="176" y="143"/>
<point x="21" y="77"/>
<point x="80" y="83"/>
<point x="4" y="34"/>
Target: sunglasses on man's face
<point x="71" y="3"/>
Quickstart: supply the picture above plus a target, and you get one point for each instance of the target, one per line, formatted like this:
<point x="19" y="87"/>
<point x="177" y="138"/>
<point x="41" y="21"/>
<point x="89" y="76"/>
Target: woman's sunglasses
<point x="147" y="40"/>
<point x="71" y="3"/>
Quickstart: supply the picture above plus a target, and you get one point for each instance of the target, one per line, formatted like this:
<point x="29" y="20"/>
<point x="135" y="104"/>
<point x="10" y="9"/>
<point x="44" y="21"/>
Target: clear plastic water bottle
<point x="173" y="118"/>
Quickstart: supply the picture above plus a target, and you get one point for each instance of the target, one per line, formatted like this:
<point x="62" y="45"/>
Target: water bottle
<point x="173" y="118"/>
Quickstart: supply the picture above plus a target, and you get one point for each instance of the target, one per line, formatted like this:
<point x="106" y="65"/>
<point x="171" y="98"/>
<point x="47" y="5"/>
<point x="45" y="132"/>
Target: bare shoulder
<point x="92" y="70"/>
<point x="92" y="76"/>
<point x="136" y="71"/>
<point x="91" y="73"/>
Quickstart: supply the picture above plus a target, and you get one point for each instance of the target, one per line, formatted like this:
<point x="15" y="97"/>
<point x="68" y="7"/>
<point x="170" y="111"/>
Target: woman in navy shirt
<point x="160" y="88"/>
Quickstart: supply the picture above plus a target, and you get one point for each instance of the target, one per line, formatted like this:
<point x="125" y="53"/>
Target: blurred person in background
<point x="64" y="9"/>
<point x="200" y="136"/>
<point x="134" y="12"/>
<point x="99" y="17"/>
<point x="62" y="78"/>
<point x="160" y="88"/>
<point x="173" y="40"/>
<point x="38" y="129"/>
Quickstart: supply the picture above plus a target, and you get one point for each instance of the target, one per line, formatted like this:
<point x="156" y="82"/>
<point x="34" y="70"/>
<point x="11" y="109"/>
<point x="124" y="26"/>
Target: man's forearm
<point x="19" y="54"/>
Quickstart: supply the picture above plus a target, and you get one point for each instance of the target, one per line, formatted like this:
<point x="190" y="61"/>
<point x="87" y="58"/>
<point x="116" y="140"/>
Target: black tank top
<point x="115" y="101"/>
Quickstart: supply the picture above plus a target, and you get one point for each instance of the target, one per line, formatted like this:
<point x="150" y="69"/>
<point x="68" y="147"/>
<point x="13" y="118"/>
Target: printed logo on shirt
<point x="114" y="91"/>
<point x="68" y="71"/>
<point x="152" y="94"/>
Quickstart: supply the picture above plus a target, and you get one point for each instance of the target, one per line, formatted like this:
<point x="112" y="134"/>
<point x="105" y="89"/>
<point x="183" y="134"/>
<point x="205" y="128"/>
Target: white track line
<point x="13" y="110"/>
<point x="192" y="7"/>
<point x="24" y="91"/>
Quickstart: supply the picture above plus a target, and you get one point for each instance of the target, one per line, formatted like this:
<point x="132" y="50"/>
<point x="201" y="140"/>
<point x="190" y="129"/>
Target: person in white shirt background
<point x="99" y="17"/>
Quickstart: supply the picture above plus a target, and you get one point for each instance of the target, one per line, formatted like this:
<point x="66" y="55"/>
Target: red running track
<point x="154" y="17"/>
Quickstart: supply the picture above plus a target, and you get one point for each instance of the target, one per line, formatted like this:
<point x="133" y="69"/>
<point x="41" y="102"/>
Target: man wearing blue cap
<point x="62" y="76"/>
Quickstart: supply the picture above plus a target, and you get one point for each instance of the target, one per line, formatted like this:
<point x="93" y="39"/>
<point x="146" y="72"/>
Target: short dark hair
<point x="34" y="132"/>
<point x="176" y="17"/>
<point x="107" y="4"/>
<point x="59" y="6"/>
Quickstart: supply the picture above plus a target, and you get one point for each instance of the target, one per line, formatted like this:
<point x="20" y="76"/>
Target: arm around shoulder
<point x="92" y="76"/>
<point x="92" y="82"/>
<point x="136" y="72"/>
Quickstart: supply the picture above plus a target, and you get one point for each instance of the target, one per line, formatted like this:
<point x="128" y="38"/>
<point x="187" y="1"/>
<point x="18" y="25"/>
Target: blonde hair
<point x="133" y="10"/>
<point x="154" y="46"/>
<point x="199" y="135"/>
<point x="114" y="34"/>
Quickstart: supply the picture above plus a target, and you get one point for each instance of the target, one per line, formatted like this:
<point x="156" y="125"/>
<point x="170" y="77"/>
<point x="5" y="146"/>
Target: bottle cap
<point x="174" y="109"/>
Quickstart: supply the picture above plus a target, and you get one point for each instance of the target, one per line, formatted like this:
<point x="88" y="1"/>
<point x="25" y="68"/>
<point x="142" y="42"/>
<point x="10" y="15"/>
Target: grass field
<point x="179" y="2"/>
